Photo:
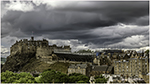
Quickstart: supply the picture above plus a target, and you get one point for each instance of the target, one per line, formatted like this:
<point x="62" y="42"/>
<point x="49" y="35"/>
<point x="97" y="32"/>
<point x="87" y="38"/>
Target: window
<point x="80" y="71"/>
<point x="83" y="71"/>
<point x="69" y="70"/>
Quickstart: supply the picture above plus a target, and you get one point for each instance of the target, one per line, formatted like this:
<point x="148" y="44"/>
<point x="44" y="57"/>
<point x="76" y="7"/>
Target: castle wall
<point x="43" y="51"/>
<point x="41" y="47"/>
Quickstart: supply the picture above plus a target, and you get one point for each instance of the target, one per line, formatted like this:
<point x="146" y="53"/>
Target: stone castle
<point x="41" y="48"/>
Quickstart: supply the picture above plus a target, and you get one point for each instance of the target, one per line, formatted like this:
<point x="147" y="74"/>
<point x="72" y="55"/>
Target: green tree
<point x="37" y="79"/>
<point x="10" y="77"/>
<point x="26" y="78"/>
<point x="147" y="51"/>
<point x="81" y="81"/>
<point x="99" y="76"/>
<point x="47" y="76"/>
<point x="75" y="74"/>
<point x="53" y="76"/>
<point x="75" y="77"/>
<point x="100" y="79"/>
<point x="61" y="77"/>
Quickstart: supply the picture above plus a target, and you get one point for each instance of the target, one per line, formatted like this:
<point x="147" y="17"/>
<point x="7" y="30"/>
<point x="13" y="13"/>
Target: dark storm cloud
<point x="40" y="22"/>
<point x="142" y="21"/>
<point x="115" y="34"/>
<point x="77" y="20"/>
<point x="124" y="11"/>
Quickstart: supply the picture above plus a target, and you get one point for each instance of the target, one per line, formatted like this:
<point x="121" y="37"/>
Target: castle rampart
<point x="40" y="47"/>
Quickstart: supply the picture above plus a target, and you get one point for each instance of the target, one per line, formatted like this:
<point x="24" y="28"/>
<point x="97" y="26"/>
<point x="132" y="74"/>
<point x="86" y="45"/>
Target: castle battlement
<point x="40" y="47"/>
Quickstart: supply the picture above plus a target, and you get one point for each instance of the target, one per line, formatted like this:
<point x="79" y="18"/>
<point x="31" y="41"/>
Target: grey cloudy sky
<point x="81" y="24"/>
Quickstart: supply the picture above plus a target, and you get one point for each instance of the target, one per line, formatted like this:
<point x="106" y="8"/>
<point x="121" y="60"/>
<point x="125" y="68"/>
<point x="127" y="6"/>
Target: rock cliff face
<point x="23" y="52"/>
<point x="17" y="61"/>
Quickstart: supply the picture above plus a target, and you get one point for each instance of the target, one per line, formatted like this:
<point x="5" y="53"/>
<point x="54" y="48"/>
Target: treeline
<point x="47" y="76"/>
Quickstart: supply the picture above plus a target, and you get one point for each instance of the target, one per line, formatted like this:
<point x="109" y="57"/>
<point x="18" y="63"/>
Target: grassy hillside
<point x="60" y="66"/>
<point x="35" y="64"/>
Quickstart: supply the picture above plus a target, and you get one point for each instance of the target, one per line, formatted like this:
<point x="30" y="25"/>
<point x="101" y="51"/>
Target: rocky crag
<point x="27" y="62"/>
<point x="17" y="61"/>
<point x="29" y="55"/>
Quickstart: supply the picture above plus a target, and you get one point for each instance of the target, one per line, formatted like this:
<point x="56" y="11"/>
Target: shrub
<point x="53" y="76"/>
<point x="81" y="81"/>
<point x="75" y="77"/>
<point x="10" y="77"/>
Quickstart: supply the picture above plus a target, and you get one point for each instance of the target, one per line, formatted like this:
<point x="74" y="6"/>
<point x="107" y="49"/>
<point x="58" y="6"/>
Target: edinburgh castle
<point x="40" y="47"/>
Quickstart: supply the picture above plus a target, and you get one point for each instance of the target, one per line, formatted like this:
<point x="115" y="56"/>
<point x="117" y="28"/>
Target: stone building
<point x="103" y="69"/>
<point x="84" y="69"/>
<point x="134" y="66"/>
<point x="103" y="59"/>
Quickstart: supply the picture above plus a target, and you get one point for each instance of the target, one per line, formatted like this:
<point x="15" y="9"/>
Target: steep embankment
<point x="35" y="65"/>
<point x="40" y="66"/>
<point x="27" y="62"/>
<point x="60" y="66"/>
<point x="17" y="61"/>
